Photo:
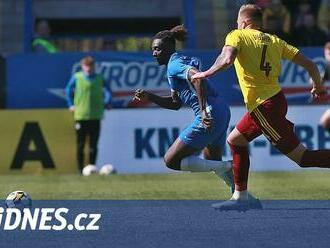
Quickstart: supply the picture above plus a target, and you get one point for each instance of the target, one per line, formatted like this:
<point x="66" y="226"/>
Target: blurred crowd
<point x="300" y="22"/>
<point x="45" y="42"/>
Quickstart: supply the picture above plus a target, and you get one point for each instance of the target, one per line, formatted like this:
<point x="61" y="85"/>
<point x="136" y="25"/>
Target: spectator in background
<point x="274" y="26"/>
<point x="326" y="75"/>
<point x="309" y="34"/>
<point x="277" y="10"/>
<point x="261" y="3"/>
<point x="304" y="8"/>
<point x="87" y="95"/>
<point x="324" y="16"/>
<point x="41" y="43"/>
<point x="325" y="118"/>
<point x="109" y="45"/>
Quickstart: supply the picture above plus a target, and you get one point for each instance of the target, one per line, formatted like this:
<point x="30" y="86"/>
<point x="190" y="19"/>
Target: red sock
<point x="318" y="158"/>
<point x="241" y="165"/>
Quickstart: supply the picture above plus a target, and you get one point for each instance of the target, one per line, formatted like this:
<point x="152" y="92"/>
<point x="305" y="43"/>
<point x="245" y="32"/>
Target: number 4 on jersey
<point x="265" y="66"/>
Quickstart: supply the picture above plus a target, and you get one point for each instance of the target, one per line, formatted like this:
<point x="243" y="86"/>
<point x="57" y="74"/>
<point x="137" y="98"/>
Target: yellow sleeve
<point x="233" y="39"/>
<point x="288" y="51"/>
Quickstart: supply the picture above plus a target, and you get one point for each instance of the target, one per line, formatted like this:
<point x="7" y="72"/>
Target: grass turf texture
<point x="298" y="185"/>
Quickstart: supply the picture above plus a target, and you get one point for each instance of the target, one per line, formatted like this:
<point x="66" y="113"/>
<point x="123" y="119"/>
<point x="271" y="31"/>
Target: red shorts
<point x="269" y="119"/>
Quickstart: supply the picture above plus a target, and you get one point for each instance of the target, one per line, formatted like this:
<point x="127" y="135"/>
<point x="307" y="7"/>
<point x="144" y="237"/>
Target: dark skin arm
<point x="174" y="102"/>
<point x="200" y="86"/>
<point x="169" y="102"/>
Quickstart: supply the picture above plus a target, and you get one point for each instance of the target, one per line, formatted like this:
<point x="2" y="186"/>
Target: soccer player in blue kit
<point x="208" y="130"/>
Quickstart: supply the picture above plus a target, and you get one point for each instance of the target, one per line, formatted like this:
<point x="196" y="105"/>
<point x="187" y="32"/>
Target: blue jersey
<point x="195" y="135"/>
<point x="177" y="74"/>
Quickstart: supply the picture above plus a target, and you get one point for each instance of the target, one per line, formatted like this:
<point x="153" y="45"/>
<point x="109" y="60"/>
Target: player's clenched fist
<point x="140" y="95"/>
<point x="207" y="120"/>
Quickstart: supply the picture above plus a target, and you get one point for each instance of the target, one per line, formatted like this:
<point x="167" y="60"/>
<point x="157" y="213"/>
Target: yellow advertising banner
<point x="37" y="141"/>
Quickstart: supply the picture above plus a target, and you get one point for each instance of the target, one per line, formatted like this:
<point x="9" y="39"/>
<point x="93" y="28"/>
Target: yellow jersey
<point x="258" y="63"/>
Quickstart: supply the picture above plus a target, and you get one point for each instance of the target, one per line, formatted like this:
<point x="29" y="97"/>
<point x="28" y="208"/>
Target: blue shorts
<point x="197" y="136"/>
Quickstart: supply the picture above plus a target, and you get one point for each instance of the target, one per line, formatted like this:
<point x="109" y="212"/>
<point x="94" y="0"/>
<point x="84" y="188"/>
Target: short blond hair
<point x="88" y="60"/>
<point x="252" y="12"/>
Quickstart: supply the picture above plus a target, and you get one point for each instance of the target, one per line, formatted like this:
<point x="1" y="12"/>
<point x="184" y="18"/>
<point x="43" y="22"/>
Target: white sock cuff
<point x="185" y="164"/>
<point x="240" y="195"/>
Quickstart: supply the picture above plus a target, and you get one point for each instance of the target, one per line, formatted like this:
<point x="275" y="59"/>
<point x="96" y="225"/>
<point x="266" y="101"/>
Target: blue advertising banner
<point x="38" y="81"/>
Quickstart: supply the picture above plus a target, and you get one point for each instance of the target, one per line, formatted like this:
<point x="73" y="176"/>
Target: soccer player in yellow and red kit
<point x="257" y="58"/>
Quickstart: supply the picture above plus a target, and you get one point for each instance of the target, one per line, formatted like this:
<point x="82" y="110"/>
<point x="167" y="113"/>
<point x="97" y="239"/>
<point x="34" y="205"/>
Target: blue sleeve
<point x="178" y="69"/>
<point x="69" y="91"/>
<point x="107" y="93"/>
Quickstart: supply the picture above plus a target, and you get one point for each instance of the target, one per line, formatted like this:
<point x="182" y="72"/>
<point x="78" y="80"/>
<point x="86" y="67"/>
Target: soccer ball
<point x="107" y="169"/>
<point x="18" y="199"/>
<point x="89" y="170"/>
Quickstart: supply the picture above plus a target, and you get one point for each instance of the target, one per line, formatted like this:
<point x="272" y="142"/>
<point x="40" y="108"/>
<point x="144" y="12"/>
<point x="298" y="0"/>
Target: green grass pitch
<point x="297" y="185"/>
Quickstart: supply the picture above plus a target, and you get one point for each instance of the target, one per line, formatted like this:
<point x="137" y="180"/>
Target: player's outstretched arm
<point x="318" y="89"/>
<point x="168" y="102"/>
<point x="223" y="61"/>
